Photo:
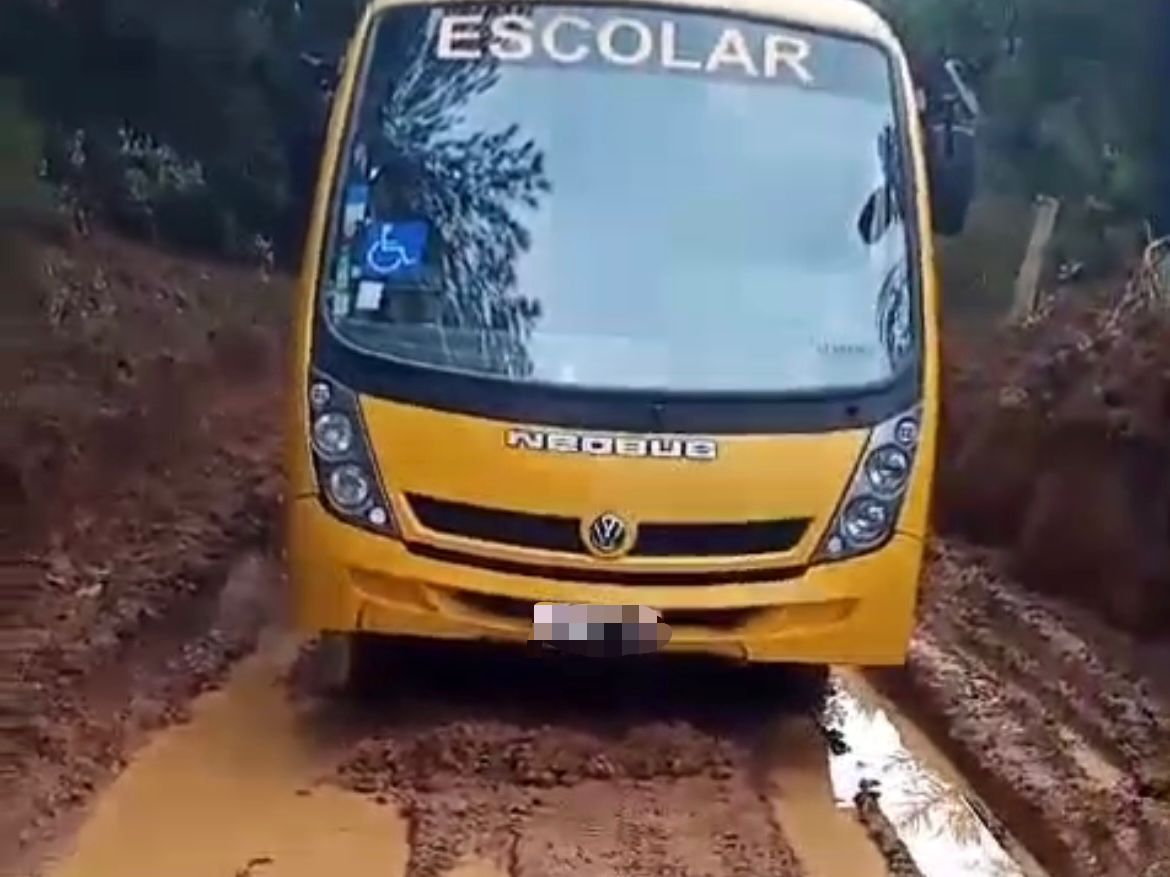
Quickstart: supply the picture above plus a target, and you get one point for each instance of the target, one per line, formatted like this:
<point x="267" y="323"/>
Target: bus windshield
<point x="624" y="198"/>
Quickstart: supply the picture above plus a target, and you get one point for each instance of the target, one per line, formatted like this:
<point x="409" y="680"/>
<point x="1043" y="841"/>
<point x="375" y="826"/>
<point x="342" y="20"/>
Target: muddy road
<point x="1008" y="746"/>
<point x="158" y="719"/>
<point x="477" y="761"/>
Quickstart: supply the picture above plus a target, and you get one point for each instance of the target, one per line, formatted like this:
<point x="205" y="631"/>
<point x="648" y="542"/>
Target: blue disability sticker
<point x="395" y="250"/>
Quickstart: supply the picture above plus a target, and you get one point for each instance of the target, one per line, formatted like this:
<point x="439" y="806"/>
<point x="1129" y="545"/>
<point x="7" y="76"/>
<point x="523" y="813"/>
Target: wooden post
<point x="1028" y="278"/>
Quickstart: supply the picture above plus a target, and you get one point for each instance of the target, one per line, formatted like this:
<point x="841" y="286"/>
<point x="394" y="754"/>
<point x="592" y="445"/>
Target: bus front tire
<point x="350" y="663"/>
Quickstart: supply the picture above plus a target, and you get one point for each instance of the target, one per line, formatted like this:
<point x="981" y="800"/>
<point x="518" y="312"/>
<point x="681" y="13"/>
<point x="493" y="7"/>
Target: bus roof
<point x="842" y="16"/>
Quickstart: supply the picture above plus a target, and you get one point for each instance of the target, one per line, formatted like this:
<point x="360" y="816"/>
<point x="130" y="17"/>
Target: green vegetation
<point x="194" y="123"/>
<point x="1068" y="86"/>
<point x="1068" y="89"/>
<point x="25" y="204"/>
<point x="21" y="149"/>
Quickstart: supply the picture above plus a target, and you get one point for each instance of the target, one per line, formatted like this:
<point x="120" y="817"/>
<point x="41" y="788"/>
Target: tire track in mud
<point x="664" y="799"/>
<point x="554" y="768"/>
<point x="1028" y="639"/>
<point x="1068" y="750"/>
<point x="19" y="640"/>
<point x="68" y="741"/>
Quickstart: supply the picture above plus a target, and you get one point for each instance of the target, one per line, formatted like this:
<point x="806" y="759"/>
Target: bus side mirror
<point x="951" y="165"/>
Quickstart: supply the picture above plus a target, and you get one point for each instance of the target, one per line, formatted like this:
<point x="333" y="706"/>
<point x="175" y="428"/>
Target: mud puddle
<point x="476" y="762"/>
<point x="551" y="767"/>
<point x="924" y="820"/>
<point x="680" y="770"/>
<point x="83" y="733"/>
<point x="232" y="792"/>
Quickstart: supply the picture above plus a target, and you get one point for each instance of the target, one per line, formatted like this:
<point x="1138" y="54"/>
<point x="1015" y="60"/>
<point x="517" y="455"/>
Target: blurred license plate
<point x="599" y="631"/>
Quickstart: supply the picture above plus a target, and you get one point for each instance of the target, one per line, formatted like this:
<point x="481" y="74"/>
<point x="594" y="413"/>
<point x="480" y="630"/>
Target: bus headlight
<point x="348" y="487"/>
<point x="347" y="473"/>
<point x="887" y="469"/>
<point x="333" y="434"/>
<point x="869" y="511"/>
<point x="865" y="521"/>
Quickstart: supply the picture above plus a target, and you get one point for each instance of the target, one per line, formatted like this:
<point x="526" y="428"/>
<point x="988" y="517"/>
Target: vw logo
<point x="608" y="535"/>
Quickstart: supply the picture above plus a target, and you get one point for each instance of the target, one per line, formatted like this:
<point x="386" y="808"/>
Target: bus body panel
<point x="859" y="611"/>
<point x="466" y="460"/>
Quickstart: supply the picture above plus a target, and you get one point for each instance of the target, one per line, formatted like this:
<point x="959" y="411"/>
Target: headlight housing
<point x="869" y="511"/>
<point x="887" y="469"/>
<point x="333" y="435"/>
<point x="348" y="487"/>
<point x="347" y="474"/>
<point x="865" y="521"/>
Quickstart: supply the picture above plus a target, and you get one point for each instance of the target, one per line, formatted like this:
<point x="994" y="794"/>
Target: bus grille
<point x="562" y="534"/>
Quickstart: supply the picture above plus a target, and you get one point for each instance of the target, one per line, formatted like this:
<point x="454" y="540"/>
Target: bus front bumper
<point x="858" y="612"/>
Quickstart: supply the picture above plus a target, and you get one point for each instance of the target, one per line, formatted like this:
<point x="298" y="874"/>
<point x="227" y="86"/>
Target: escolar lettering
<point x="623" y="41"/>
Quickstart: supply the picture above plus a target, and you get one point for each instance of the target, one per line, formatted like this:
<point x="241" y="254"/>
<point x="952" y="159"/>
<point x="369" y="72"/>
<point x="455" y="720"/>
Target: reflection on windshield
<point x="643" y="200"/>
<point x="459" y="304"/>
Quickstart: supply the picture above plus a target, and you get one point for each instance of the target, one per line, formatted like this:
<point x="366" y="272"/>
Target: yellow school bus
<point x="622" y="304"/>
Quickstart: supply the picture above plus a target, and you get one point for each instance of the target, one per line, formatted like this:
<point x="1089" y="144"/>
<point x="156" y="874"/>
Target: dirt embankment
<point x="137" y="460"/>
<point x="1057" y="449"/>
<point x="1042" y="657"/>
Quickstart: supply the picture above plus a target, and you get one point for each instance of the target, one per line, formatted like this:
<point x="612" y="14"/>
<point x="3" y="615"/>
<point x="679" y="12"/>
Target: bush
<point x="21" y="147"/>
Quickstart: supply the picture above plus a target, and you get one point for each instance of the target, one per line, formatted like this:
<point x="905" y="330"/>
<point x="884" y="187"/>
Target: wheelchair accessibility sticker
<point x="395" y="250"/>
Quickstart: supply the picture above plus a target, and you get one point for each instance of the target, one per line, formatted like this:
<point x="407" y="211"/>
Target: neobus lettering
<point x="622" y="41"/>
<point x="594" y="445"/>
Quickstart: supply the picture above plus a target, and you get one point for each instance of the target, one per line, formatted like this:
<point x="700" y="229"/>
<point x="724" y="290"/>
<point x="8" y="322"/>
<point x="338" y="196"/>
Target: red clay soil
<point x="1042" y="659"/>
<point x="884" y="835"/>
<point x="1057" y="448"/>
<point x="1051" y="714"/>
<point x="549" y="802"/>
<point x="571" y="769"/>
<point x="137" y="464"/>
